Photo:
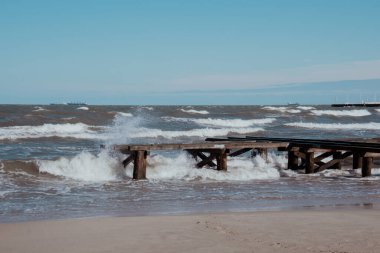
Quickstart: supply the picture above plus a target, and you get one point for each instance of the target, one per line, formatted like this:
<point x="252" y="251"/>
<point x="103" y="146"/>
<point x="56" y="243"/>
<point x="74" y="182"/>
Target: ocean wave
<point x="77" y="130"/>
<point x="106" y="167"/>
<point x="341" y="113"/>
<point x="200" y="132"/>
<point x="337" y="126"/>
<point x="83" y="108"/>
<point x="192" y="111"/>
<point x="84" y="166"/>
<point x="124" y="114"/>
<point x="281" y="109"/>
<point x="305" y="108"/>
<point x="39" y="109"/>
<point x="238" y="123"/>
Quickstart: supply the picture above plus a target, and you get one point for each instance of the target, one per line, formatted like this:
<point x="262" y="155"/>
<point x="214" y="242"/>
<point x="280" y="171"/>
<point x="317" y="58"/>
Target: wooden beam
<point x="139" y="170"/>
<point x="128" y="160"/>
<point x="207" y="160"/>
<point x="323" y="156"/>
<point x="367" y="166"/>
<point x="331" y="163"/>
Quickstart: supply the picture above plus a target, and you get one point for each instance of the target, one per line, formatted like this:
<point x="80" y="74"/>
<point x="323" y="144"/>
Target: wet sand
<point x="319" y="231"/>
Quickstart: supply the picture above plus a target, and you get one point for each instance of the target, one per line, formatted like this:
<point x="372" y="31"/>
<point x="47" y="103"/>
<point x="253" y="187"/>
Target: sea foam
<point x="224" y="122"/>
<point x="341" y="113"/>
<point x="281" y="109"/>
<point x="337" y="126"/>
<point x="192" y="111"/>
<point x="106" y="167"/>
<point x="77" y="130"/>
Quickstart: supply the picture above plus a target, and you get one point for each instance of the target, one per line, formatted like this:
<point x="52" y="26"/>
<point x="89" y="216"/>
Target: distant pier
<point x="303" y="154"/>
<point x="369" y="104"/>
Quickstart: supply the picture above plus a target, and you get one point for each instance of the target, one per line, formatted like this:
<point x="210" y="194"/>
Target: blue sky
<point x="188" y="52"/>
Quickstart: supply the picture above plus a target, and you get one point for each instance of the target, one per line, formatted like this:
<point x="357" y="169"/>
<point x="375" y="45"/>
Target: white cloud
<point x="358" y="70"/>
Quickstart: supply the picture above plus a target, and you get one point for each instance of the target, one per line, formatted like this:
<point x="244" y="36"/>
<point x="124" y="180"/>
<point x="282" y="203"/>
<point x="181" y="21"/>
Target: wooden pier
<point x="303" y="154"/>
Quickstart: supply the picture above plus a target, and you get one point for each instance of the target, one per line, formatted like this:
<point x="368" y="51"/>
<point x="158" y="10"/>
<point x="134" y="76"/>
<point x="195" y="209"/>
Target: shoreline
<point x="339" y="230"/>
<point x="365" y="205"/>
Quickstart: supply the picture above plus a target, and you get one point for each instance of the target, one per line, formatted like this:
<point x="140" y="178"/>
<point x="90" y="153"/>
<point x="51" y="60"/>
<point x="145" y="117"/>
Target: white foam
<point x="125" y="114"/>
<point x="305" y="108"/>
<point x="341" y="113"/>
<point x="337" y="126"/>
<point x="183" y="167"/>
<point x="201" y="132"/>
<point x="85" y="166"/>
<point x="192" y="111"/>
<point x="39" y="109"/>
<point x="224" y="122"/>
<point x="77" y="130"/>
<point x="84" y="108"/>
<point x="281" y="109"/>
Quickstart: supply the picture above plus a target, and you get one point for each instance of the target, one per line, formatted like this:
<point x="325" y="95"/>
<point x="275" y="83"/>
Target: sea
<point x="58" y="161"/>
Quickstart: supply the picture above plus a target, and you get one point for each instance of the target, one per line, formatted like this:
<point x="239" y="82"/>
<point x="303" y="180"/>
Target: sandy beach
<point x="356" y="230"/>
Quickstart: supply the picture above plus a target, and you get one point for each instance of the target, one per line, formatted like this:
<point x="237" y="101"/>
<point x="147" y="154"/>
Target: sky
<point x="189" y="52"/>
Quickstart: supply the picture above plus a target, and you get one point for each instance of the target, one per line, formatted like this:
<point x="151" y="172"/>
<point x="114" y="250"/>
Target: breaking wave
<point x="105" y="167"/>
<point x="192" y="111"/>
<point x="201" y="132"/>
<point x="305" y="108"/>
<point x="224" y="122"/>
<point x="282" y="109"/>
<point x="125" y="114"/>
<point x="83" y="108"/>
<point x="337" y="126"/>
<point x="77" y="130"/>
<point x="340" y="113"/>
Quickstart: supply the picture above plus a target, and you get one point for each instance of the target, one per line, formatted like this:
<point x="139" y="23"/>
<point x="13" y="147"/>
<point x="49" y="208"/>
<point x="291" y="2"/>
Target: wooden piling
<point x="336" y="156"/>
<point x="221" y="161"/>
<point x="139" y="170"/>
<point x="309" y="166"/>
<point x="263" y="152"/>
<point x="367" y="166"/>
<point x="357" y="161"/>
<point x="292" y="160"/>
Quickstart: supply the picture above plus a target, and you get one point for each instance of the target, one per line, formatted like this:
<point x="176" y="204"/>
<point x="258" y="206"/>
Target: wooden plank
<point x="139" y="170"/>
<point x="196" y="153"/>
<point x="367" y="166"/>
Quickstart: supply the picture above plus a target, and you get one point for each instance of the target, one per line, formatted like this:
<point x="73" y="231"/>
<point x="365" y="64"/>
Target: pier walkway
<point x="309" y="155"/>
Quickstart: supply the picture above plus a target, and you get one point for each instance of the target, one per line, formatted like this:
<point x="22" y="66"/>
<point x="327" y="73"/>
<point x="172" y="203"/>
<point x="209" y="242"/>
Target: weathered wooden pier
<point x="303" y="154"/>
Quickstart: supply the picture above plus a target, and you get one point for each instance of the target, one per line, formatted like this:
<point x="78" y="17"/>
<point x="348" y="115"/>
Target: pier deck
<point x="309" y="155"/>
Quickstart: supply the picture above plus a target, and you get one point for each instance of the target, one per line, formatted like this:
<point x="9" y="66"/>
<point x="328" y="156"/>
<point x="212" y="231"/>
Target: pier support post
<point x="357" y="161"/>
<point x="292" y="160"/>
<point x="367" y="166"/>
<point x="309" y="159"/>
<point x="221" y="161"/>
<point x="263" y="152"/>
<point x="338" y="165"/>
<point x="139" y="170"/>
